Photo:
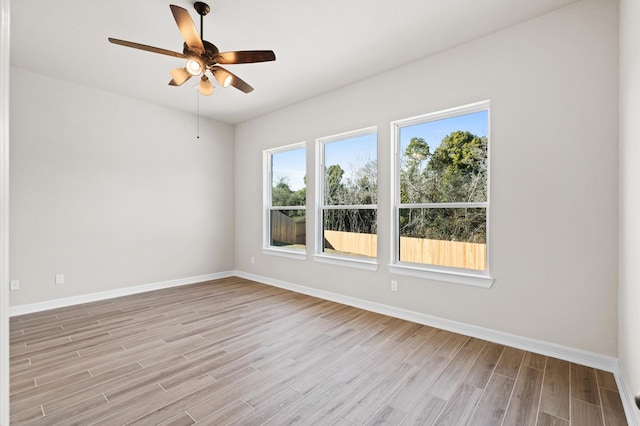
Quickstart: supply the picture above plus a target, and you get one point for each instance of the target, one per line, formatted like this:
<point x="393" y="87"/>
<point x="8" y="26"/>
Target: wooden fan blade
<point x="245" y="57"/>
<point x="236" y="81"/>
<point x="180" y="75"/>
<point x="147" y="48"/>
<point x="187" y="29"/>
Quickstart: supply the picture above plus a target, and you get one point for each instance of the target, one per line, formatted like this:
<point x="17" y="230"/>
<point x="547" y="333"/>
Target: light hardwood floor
<point x="235" y="351"/>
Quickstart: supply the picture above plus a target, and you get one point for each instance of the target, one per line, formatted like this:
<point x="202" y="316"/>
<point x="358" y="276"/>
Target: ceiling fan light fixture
<point x="193" y="67"/>
<point x="223" y="77"/>
<point x="206" y="88"/>
<point x="180" y="75"/>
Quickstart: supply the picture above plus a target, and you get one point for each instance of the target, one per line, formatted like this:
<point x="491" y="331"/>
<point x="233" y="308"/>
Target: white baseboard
<point x="628" y="398"/>
<point x="110" y="294"/>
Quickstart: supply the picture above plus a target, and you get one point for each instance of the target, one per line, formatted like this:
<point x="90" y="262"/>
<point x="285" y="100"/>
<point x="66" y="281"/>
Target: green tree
<point x="417" y="151"/>
<point x="283" y="195"/>
<point x="456" y="171"/>
<point x="362" y="189"/>
<point x="334" y="189"/>
<point x="459" y="167"/>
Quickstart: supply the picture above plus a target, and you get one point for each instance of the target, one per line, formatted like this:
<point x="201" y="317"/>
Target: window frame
<point x="267" y="207"/>
<point x="354" y="261"/>
<point x="436" y="272"/>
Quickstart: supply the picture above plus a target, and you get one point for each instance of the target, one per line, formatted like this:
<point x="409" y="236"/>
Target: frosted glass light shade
<point x="194" y="67"/>
<point x="223" y="77"/>
<point x="206" y="88"/>
<point x="180" y="75"/>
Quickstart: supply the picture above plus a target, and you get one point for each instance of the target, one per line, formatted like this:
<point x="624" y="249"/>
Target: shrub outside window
<point x="347" y="195"/>
<point x="441" y="191"/>
<point x="285" y="198"/>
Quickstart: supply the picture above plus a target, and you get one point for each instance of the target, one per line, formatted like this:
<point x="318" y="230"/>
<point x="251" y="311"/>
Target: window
<point x="285" y="196"/>
<point x="347" y="197"/>
<point x="441" y="193"/>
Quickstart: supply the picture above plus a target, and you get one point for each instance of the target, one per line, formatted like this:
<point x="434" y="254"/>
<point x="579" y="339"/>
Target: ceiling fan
<point x="201" y="55"/>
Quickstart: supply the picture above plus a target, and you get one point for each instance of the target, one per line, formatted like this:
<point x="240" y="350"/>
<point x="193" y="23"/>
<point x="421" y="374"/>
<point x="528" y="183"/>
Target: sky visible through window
<point x="291" y="165"/>
<point x="351" y="153"/>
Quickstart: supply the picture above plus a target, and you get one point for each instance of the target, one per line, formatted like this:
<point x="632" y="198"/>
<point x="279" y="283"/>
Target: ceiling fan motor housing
<point x="210" y="51"/>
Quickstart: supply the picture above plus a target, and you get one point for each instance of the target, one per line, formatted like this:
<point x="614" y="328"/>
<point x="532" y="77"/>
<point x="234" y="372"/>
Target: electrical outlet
<point x="15" y="285"/>
<point x="394" y="285"/>
<point x="253" y="259"/>
<point x="59" y="279"/>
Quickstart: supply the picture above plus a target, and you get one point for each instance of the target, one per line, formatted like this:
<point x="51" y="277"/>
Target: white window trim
<point x="452" y="275"/>
<point x="433" y="272"/>
<point x="289" y="253"/>
<point x="353" y="261"/>
<point x="267" y="178"/>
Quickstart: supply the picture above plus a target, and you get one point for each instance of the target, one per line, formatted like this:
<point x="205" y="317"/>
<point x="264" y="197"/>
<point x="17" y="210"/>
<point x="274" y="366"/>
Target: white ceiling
<point x="319" y="45"/>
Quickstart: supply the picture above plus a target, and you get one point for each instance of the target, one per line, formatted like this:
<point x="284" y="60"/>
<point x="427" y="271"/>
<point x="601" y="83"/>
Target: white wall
<point x="629" y="287"/>
<point x="4" y="212"/>
<point x="112" y="192"/>
<point x="552" y="82"/>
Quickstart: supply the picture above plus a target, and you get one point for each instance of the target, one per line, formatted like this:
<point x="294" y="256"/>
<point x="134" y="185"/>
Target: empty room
<point x="341" y="213"/>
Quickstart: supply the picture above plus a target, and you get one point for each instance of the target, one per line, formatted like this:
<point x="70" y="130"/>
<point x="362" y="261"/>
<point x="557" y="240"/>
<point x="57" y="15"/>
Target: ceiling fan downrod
<point x="202" y="9"/>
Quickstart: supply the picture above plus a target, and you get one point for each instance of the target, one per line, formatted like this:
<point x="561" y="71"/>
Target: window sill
<point x="291" y="254"/>
<point x="351" y="262"/>
<point x="470" y="279"/>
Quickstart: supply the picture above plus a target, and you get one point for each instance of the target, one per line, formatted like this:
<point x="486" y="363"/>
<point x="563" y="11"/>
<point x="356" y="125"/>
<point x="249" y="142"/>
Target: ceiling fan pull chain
<point x="197" y="115"/>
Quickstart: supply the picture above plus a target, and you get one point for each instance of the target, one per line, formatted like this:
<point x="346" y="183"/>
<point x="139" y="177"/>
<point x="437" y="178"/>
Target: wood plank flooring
<point x="233" y="351"/>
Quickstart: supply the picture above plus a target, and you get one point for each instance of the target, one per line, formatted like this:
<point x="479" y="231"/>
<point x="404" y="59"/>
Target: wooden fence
<point x="444" y="253"/>
<point x="418" y="250"/>
<point x="286" y="231"/>
<point x="352" y="243"/>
